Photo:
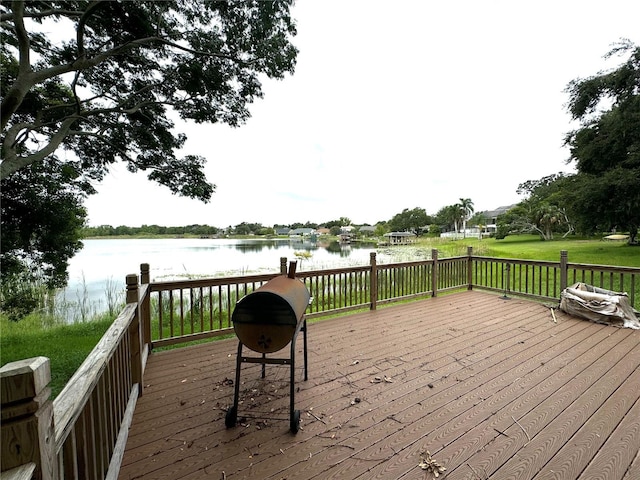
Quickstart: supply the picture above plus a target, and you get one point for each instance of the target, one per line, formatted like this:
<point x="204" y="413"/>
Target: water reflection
<point x="103" y="264"/>
<point x="334" y="247"/>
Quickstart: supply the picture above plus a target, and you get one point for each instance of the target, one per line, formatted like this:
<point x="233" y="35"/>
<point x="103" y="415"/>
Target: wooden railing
<point x="546" y="280"/>
<point x="83" y="432"/>
<point x="196" y="309"/>
<point x="89" y="419"/>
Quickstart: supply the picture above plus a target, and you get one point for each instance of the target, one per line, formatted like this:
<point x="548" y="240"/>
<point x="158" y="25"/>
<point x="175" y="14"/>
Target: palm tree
<point x="466" y="205"/>
<point x="451" y="214"/>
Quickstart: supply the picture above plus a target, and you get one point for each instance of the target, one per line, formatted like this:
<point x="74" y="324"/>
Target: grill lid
<point x="266" y="319"/>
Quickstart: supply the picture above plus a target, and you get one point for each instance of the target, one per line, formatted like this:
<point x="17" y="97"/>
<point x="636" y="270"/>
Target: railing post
<point x="144" y="273"/>
<point x="134" y="332"/>
<point x="373" y="280"/>
<point x="564" y="269"/>
<point x="283" y="265"/>
<point x="27" y="417"/>
<point x="506" y="273"/>
<point x="145" y="313"/>
<point x="434" y="273"/>
<point x="470" y="268"/>
<point x="132" y="288"/>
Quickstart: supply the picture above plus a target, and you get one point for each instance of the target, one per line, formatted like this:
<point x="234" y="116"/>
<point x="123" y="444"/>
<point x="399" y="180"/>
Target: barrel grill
<point x="266" y="321"/>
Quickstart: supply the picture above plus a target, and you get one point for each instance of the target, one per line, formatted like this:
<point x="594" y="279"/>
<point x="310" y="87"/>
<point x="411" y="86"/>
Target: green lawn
<point x="598" y="252"/>
<point x="530" y="247"/>
<point x="66" y="345"/>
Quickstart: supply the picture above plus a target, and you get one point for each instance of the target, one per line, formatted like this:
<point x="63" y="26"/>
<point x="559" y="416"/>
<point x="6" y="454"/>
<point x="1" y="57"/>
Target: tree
<point x="551" y="203"/>
<point x="42" y="218"/>
<point x="606" y="146"/>
<point x="531" y="216"/>
<point x="447" y="217"/>
<point x="466" y="206"/>
<point x="105" y="91"/>
<point x="410" y="221"/>
<point x="108" y="91"/>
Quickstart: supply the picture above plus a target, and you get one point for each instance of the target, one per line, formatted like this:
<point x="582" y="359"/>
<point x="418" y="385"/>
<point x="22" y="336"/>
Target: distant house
<point x="323" y="231"/>
<point x="481" y="230"/>
<point x="346" y="234"/>
<point x="283" y="231"/>
<point x="367" y="230"/>
<point x="301" y="232"/>
<point x="492" y="218"/>
<point x="400" y="238"/>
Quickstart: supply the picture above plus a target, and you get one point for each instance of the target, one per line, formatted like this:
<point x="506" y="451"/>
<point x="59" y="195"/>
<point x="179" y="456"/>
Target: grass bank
<point x="66" y="345"/>
<point x="530" y="247"/>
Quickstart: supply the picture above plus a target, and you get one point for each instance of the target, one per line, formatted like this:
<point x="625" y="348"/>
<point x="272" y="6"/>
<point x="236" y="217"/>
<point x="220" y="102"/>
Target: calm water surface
<point x="102" y="265"/>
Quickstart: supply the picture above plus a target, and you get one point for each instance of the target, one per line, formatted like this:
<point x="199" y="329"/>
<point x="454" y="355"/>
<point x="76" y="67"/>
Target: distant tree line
<point x="416" y="220"/>
<point x="147" y="230"/>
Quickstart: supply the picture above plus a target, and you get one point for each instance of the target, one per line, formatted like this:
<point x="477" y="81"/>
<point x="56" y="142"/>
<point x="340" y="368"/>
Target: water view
<point x="97" y="273"/>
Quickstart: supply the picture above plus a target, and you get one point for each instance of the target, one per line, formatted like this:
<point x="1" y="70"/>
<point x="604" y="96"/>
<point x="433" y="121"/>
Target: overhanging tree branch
<point x="13" y="162"/>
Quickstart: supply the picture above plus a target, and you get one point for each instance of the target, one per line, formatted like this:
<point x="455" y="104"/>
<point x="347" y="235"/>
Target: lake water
<point x="102" y="265"/>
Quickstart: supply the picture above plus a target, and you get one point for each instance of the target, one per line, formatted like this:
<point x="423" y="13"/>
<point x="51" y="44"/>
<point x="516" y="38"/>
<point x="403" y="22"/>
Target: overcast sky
<point x="393" y="105"/>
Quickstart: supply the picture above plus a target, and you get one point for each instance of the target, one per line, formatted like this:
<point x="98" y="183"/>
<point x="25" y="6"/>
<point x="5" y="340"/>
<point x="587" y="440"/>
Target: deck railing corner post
<point x="132" y="288"/>
<point x="144" y="273"/>
<point x="374" y="280"/>
<point x="28" y="433"/>
<point x="135" y="331"/>
<point x="434" y="273"/>
<point x="145" y="309"/>
<point x="283" y="265"/>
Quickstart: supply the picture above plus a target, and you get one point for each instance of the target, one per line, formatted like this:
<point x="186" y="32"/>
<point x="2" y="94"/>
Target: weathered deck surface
<point x="492" y="388"/>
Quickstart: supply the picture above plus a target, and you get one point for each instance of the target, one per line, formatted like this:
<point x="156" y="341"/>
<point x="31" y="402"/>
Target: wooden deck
<point x="493" y="388"/>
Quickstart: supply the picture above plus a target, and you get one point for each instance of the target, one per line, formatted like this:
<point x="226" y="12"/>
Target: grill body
<point x="266" y="321"/>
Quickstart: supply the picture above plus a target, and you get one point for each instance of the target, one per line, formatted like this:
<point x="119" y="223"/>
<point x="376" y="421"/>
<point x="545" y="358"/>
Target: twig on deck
<point x="553" y="314"/>
<point x="348" y="380"/>
<point x="525" y="432"/>
<point x="474" y="472"/>
<point x="458" y="360"/>
<point x="316" y="417"/>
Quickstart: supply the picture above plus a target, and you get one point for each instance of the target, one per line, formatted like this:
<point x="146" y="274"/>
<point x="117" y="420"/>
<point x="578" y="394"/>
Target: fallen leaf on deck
<point x="429" y="464"/>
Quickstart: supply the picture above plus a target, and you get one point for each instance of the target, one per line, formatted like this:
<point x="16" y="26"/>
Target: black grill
<point x="266" y="321"/>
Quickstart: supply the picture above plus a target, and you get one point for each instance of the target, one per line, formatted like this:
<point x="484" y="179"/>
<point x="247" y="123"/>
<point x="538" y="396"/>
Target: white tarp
<point x="599" y="305"/>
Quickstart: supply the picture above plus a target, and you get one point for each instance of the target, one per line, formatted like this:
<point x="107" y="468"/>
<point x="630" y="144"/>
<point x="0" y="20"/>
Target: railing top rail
<point x="453" y="259"/>
<point x="606" y="268"/>
<point x="67" y="406"/>
<point x="332" y="271"/>
<point x="546" y="263"/>
<point x="215" y="281"/>
<point x="389" y="266"/>
<point x="211" y="281"/>
<point x="586" y="266"/>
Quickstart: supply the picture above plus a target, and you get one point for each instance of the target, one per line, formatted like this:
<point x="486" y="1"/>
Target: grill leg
<point x="294" y="423"/>
<point x="237" y="385"/>
<point x="232" y="414"/>
<point x="304" y="333"/>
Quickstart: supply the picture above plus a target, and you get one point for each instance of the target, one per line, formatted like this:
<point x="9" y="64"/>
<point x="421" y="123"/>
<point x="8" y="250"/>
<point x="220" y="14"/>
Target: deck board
<point x="492" y="387"/>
